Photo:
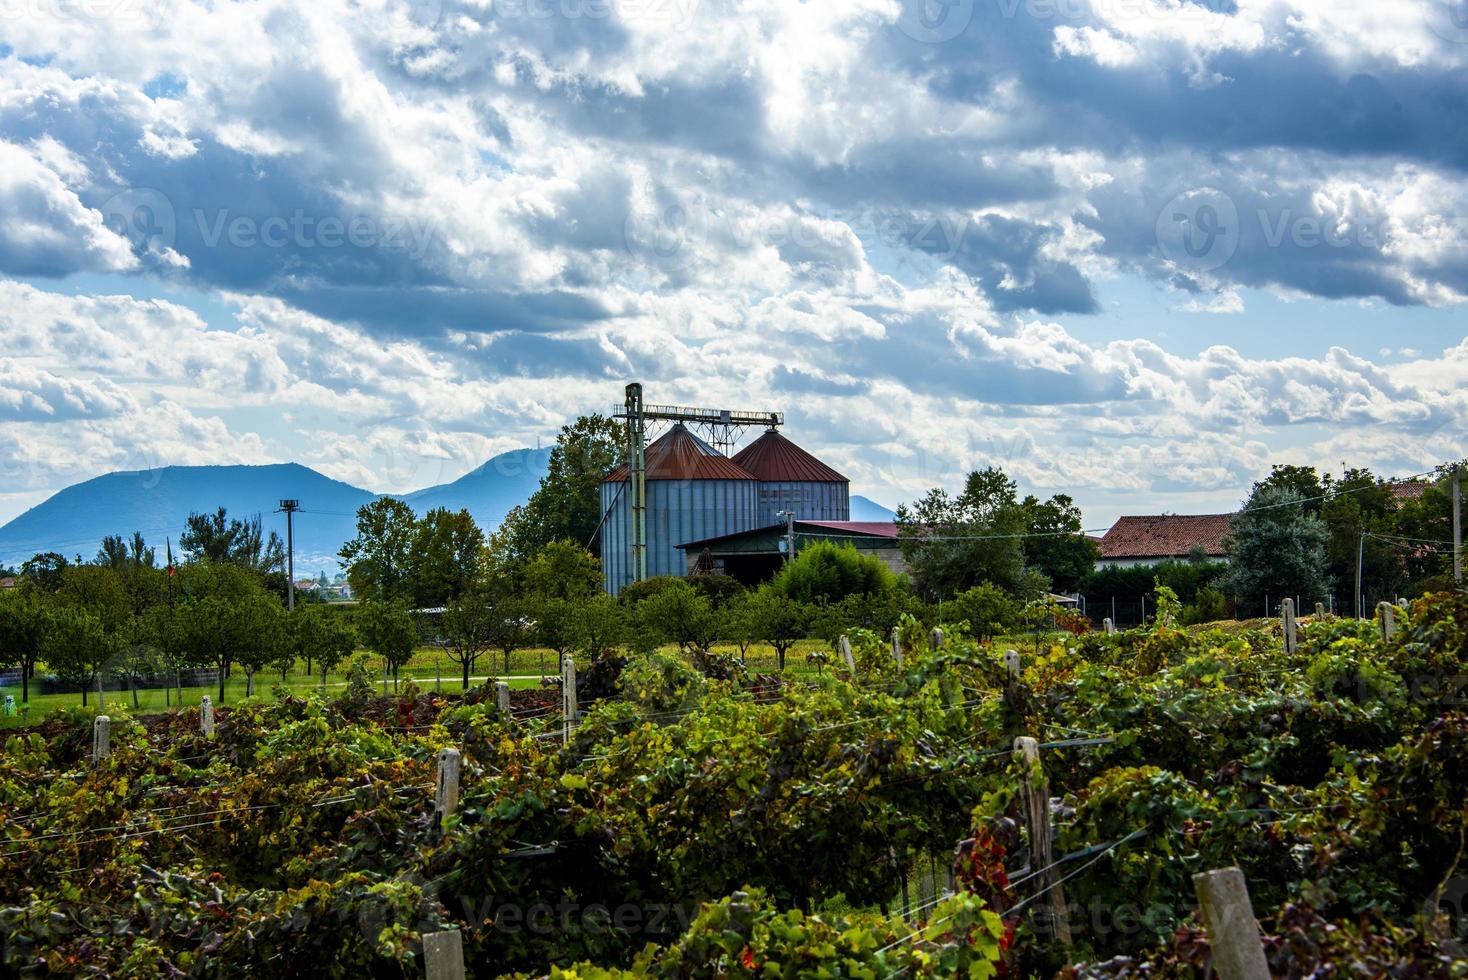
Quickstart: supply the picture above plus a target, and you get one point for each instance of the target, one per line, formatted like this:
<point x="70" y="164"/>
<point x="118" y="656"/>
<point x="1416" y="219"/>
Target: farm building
<point x="694" y="493"/>
<point x="1164" y="537"/>
<point x="755" y="555"/>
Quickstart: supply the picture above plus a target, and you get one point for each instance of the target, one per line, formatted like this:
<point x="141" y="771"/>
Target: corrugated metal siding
<point x="810" y="501"/>
<point x="677" y="511"/>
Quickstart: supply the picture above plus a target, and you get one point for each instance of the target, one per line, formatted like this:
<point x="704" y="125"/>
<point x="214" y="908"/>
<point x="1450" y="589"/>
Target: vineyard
<point x="864" y="820"/>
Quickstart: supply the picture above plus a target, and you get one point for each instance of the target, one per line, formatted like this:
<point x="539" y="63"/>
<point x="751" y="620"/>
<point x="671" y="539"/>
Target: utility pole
<point x="290" y="507"/>
<point x="1360" y="556"/>
<point x="789" y="516"/>
<point x="1457" y="529"/>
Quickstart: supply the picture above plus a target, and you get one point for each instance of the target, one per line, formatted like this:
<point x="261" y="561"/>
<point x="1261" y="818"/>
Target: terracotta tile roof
<point x="1166" y="536"/>
<point x="7" y="582"/>
<point x="680" y="455"/>
<point x="1402" y="492"/>
<point x="775" y="459"/>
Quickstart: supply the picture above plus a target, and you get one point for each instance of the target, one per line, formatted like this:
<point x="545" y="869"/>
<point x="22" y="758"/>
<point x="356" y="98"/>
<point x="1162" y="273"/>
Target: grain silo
<point x="693" y="492"/>
<point x="791" y="479"/>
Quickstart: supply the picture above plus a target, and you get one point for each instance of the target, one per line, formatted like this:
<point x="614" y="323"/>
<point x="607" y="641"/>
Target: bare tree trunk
<point x="132" y="683"/>
<point x="249" y="682"/>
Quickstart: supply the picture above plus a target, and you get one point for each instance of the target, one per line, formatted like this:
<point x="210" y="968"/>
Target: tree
<point x="379" y="560"/>
<point x="989" y="610"/>
<point x="219" y="538"/>
<point x="1277" y="549"/>
<point x="445" y="556"/>
<point x="828" y="572"/>
<point x="75" y="646"/>
<point x="44" y="569"/>
<point x="263" y="634"/>
<point x="954" y="543"/>
<point x="468" y="628"/>
<point x="208" y="616"/>
<point x="598" y="624"/>
<point x="388" y="630"/>
<point x="22" y="628"/>
<point x="125" y="554"/>
<point x="678" y="614"/>
<point x="567" y="504"/>
<point x="1302" y="481"/>
<point x="777" y="619"/>
<point x="562" y="570"/>
<point x="509" y="625"/>
<point x="1056" y="544"/>
<point x="322" y="635"/>
<point x="99" y="591"/>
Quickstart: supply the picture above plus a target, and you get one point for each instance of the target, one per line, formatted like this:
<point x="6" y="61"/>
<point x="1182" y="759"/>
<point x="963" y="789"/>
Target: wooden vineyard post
<point x="1388" y="615"/>
<point x="568" y="697"/>
<point x="502" y="696"/>
<point x="897" y="645"/>
<point x="1287" y="622"/>
<point x="1232" y="932"/>
<point x="206" y="716"/>
<point x="936" y="639"/>
<point x="101" y="739"/>
<point x="1036" y="804"/>
<point x="846" y="656"/>
<point x="443" y="955"/>
<point x="1320" y="610"/>
<point x="447" y="795"/>
<point x="1108" y="626"/>
<point x="1012" y="668"/>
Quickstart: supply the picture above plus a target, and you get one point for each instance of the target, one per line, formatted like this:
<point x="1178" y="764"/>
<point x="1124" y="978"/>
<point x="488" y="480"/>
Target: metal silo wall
<point x="679" y="511"/>
<point x="616" y="561"/>
<point x="811" y="501"/>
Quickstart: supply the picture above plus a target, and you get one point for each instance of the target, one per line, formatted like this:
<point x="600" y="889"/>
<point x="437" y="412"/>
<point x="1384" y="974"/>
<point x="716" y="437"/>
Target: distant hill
<point x="489" y="491"/>
<point x="157" y="502"/>
<point x="864" y="509"/>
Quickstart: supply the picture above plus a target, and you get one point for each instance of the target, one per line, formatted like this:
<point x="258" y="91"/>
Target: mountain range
<point x="156" y="503"/>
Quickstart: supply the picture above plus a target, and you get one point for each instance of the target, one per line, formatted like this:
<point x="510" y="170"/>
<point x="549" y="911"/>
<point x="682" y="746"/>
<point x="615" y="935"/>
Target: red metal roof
<point x="775" y="459"/>
<point x="680" y="455"/>
<point x="874" y="529"/>
<point x="1410" y="490"/>
<point x="1166" y="536"/>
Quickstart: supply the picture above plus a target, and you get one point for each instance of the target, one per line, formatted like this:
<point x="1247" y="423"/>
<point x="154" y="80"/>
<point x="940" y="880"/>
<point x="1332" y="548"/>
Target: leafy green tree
<point x="219" y="538"/>
<point x="1303" y="481"/>
<point x="989" y="610"/>
<point x="445" y="556"/>
<point x="379" y="560"/>
<point x="952" y="543"/>
<point x="1423" y="529"/>
<point x="322" y="636"/>
<point x="22" y="628"/>
<point x="44" y="570"/>
<point x="76" y="646"/>
<point x="510" y="626"/>
<point x="468" y="629"/>
<point x="562" y="570"/>
<point x="678" y="614"/>
<point x="1056" y="544"/>
<point x="1210" y="607"/>
<point x="776" y="619"/>
<point x="567" y="504"/>
<point x="388" y="630"/>
<point x="158" y="629"/>
<point x="264" y="637"/>
<point x="598" y="624"/>
<point x="828" y="572"/>
<point x="125" y="554"/>
<point x="1277" y="549"/>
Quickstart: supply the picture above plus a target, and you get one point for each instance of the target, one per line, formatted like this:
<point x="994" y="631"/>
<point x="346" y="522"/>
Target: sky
<point x="1135" y="251"/>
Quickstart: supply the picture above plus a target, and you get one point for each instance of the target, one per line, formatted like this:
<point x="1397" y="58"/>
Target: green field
<point x="427" y="665"/>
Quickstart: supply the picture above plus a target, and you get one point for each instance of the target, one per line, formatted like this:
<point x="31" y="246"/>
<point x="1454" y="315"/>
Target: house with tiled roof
<point x="1163" y="537"/>
<point x="8" y="582"/>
